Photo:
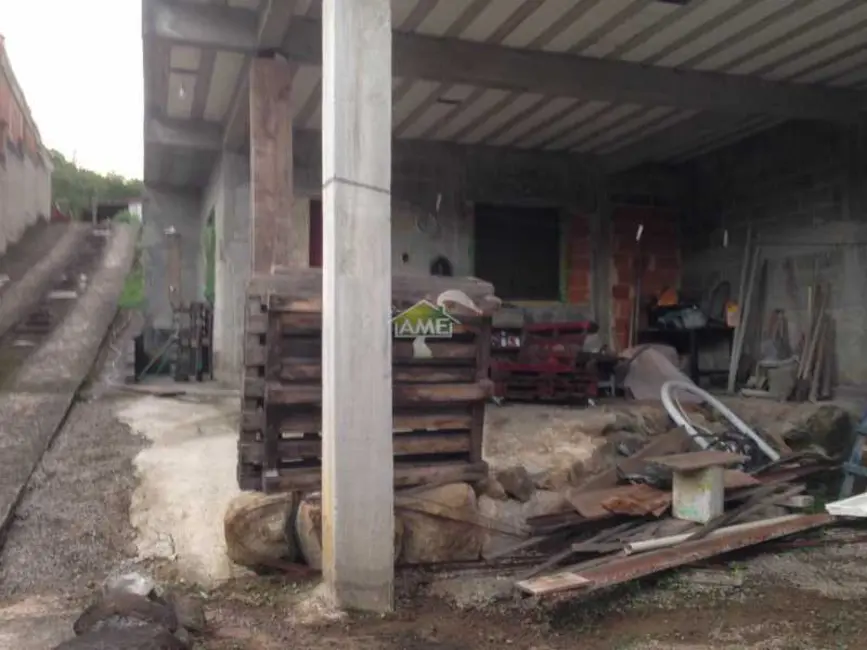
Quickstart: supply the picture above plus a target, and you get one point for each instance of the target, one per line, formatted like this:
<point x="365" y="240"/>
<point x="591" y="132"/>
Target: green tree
<point x="74" y="187"/>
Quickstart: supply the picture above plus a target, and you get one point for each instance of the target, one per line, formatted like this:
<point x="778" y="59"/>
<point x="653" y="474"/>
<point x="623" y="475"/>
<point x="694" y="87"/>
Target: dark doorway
<point x="518" y="251"/>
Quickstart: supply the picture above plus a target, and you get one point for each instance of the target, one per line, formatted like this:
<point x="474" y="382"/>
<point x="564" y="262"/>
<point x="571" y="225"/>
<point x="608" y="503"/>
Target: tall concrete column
<point x="278" y="239"/>
<point x="357" y="463"/>
<point x="232" y="266"/>
<point x="161" y="210"/>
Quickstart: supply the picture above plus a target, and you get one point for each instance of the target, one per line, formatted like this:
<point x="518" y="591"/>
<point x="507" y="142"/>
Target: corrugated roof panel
<point x="488" y="21"/>
<point x="490" y="125"/>
<point x="466" y="115"/>
<point x="539" y="21"/>
<point x="803" y="41"/>
<point x="581" y="114"/>
<point x="758" y="10"/>
<point x="551" y="108"/>
<point x="676" y="26"/>
<point x="596" y="125"/>
<point x="646" y="18"/>
<point x="780" y="28"/>
<point x="598" y="15"/>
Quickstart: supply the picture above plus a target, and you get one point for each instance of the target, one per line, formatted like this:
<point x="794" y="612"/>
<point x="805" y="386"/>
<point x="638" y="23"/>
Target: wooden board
<point x="405" y="444"/>
<point x="697" y="460"/>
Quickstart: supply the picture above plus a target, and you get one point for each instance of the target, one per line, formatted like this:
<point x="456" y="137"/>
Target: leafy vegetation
<point x="74" y="187"/>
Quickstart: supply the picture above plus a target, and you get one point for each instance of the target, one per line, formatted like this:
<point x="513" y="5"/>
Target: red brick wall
<point x="661" y="253"/>
<point x="579" y="261"/>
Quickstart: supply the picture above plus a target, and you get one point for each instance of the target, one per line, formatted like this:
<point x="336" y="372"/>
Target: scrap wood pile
<point x="626" y="523"/>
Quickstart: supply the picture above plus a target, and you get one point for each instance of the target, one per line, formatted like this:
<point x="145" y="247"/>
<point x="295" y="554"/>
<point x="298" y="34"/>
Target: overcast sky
<point x="79" y="64"/>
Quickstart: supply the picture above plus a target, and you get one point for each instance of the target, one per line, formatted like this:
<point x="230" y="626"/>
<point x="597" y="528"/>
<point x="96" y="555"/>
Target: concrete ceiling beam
<point x="566" y="75"/>
<point x="492" y="66"/>
<point x="190" y="135"/>
<point x="206" y="26"/>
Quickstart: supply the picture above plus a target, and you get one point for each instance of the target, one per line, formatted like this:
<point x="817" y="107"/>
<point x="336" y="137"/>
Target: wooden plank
<point x="404" y="394"/>
<point x="289" y="286"/>
<point x="405" y="444"/>
<point x="311" y="322"/>
<point x="696" y="460"/>
<point x="275" y="235"/>
<point x="405" y="475"/>
<point x="674" y="441"/>
<point x="483" y="364"/>
<point x="402" y="351"/>
<point x="311" y="370"/>
<point x="256" y="323"/>
<point x="255" y="354"/>
<point x="254" y="420"/>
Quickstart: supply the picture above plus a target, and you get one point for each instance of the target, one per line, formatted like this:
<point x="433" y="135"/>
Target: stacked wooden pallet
<point x="439" y="399"/>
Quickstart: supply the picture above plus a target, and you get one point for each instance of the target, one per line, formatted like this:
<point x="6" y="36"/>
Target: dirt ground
<point x="73" y="531"/>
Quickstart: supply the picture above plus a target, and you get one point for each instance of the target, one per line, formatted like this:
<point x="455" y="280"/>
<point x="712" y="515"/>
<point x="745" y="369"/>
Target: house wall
<point x="434" y="188"/>
<point x="25" y="170"/>
<point x="801" y="187"/>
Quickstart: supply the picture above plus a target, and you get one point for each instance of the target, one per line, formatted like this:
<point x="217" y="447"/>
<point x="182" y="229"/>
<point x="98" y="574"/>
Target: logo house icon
<point x="424" y="319"/>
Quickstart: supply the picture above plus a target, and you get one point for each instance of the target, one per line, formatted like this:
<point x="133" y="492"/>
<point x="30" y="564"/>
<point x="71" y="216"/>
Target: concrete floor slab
<point x="186" y="480"/>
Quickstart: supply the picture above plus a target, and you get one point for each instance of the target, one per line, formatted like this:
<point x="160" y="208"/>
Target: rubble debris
<point x="119" y="619"/>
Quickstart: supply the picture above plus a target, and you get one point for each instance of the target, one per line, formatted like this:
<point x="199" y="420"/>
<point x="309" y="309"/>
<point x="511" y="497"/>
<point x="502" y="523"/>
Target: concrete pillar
<point x="357" y="463"/>
<point x="232" y="261"/>
<point x="163" y="209"/>
<point x="277" y="238"/>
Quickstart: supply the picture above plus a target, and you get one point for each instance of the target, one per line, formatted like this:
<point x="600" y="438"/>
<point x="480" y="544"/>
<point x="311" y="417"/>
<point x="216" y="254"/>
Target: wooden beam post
<point x="357" y="462"/>
<point x="277" y="240"/>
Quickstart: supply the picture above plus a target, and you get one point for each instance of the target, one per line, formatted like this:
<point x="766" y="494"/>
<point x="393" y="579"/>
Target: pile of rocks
<point x="447" y="523"/>
<point x="129" y="614"/>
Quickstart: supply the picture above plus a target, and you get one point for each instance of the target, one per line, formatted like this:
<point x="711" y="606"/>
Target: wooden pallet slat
<point x="438" y="398"/>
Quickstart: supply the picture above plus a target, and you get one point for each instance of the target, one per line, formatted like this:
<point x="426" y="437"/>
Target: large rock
<point x="308" y="532"/>
<point x="149" y="637"/>
<point x="517" y="483"/>
<point x="440" y="525"/>
<point x="256" y="527"/>
<point x="119" y="609"/>
<point x="512" y="516"/>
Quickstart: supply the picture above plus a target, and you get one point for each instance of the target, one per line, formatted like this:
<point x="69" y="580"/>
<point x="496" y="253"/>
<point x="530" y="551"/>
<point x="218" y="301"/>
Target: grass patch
<point x="132" y="296"/>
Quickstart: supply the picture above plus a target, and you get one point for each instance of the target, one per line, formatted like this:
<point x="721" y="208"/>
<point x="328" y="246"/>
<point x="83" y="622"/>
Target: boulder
<point x="491" y="487"/>
<point x="513" y="515"/>
<point x="189" y="610"/>
<point x="255" y="527"/>
<point x="116" y="610"/>
<point x="148" y="637"/>
<point x="440" y="525"/>
<point x="517" y="483"/>
<point x="308" y="532"/>
<point x="831" y="428"/>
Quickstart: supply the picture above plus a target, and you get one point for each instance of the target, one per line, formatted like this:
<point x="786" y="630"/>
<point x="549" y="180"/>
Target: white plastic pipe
<point x="680" y="418"/>
<point x="664" y="542"/>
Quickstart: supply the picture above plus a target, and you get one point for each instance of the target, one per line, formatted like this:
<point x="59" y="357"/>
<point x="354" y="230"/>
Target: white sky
<point x="79" y="63"/>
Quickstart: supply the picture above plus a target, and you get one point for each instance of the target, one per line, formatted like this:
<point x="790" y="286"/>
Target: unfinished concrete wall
<point x="434" y="188"/>
<point x="163" y="209"/>
<point x="800" y="187"/>
<point x="228" y="199"/>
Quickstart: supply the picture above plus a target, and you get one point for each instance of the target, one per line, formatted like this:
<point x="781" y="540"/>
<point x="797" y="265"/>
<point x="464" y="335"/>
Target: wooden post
<point x="357" y="463"/>
<point x="275" y="234"/>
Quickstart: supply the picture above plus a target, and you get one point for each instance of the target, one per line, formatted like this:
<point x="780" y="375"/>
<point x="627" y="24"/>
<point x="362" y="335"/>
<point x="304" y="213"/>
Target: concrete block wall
<point x="25" y="194"/>
<point x="25" y="169"/>
<point x="800" y="187"/>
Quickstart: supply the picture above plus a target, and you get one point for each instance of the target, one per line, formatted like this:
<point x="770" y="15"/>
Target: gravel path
<point x="72" y="528"/>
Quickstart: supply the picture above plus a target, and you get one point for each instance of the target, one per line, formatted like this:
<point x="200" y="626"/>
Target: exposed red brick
<point x="578" y="294"/>
<point x="621" y="292"/>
